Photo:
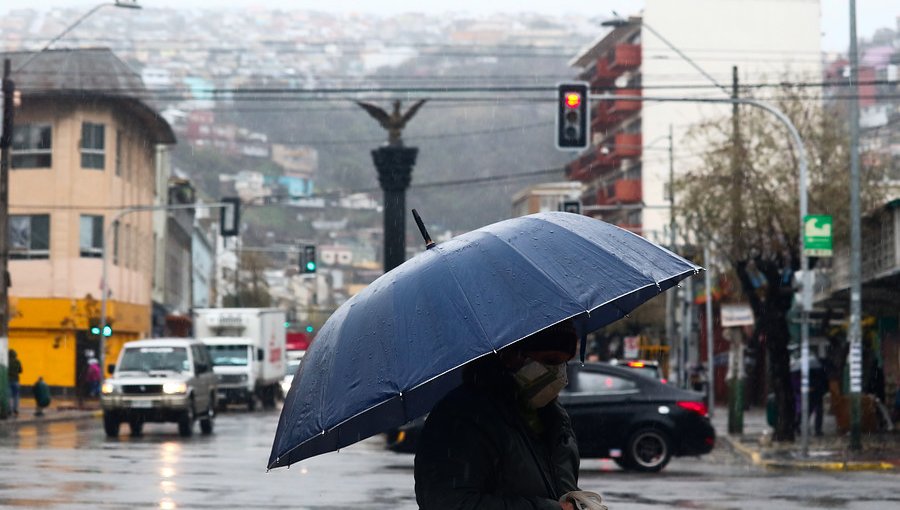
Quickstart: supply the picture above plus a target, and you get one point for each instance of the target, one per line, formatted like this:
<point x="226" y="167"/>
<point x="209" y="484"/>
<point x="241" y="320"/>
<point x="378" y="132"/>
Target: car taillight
<point x="697" y="407"/>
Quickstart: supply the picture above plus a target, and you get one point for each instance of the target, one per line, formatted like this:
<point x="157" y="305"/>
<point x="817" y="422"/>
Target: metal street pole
<point x="5" y="142"/>
<point x="104" y="281"/>
<point x="855" y="244"/>
<point x="672" y="295"/>
<point x="710" y="355"/>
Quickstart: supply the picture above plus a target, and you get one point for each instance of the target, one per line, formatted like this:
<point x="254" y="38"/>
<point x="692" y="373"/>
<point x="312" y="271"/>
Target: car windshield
<point x="148" y="359"/>
<point x="229" y="355"/>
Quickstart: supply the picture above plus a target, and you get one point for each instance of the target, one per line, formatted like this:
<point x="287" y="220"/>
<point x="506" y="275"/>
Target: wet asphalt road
<point x="71" y="465"/>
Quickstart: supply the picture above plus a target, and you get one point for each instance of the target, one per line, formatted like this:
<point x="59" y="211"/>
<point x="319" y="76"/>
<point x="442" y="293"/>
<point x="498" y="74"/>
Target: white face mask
<point x="541" y="383"/>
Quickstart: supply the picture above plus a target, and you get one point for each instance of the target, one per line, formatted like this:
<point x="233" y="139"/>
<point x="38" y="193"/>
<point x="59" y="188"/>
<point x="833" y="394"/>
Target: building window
<point x="29" y="236"/>
<point x="92" y="146"/>
<point x="91" y="239"/>
<point x="31" y="146"/>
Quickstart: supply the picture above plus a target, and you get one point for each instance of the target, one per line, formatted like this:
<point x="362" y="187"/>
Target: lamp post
<point x="104" y="281"/>
<point x="9" y="90"/>
<point x="118" y="3"/>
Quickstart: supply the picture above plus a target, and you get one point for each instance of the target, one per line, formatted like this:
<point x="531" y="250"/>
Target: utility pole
<point x="672" y="294"/>
<point x="5" y="143"/>
<point x="855" y="244"/>
<point x="735" y="383"/>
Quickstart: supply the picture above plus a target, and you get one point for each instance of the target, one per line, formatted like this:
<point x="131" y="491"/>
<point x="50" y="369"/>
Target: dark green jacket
<point x="42" y="394"/>
<point x="476" y="452"/>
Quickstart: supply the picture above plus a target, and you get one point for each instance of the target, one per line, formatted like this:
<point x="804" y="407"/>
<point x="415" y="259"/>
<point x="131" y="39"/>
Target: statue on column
<point x="393" y="122"/>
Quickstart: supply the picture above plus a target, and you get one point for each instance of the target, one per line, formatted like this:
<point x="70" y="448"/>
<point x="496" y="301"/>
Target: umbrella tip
<point x="429" y="244"/>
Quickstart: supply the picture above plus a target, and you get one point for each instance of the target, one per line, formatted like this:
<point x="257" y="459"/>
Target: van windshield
<point x="228" y="355"/>
<point x="147" y="359"/>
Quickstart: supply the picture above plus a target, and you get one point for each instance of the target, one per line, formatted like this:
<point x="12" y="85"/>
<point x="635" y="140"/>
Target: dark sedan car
<point x="618" y="413"/>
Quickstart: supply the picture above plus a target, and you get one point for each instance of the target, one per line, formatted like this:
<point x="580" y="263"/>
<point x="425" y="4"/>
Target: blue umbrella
<point x="392" y="351"/>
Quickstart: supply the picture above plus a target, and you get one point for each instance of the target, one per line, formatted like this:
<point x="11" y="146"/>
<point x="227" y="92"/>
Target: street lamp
<point x="124" y="4"/>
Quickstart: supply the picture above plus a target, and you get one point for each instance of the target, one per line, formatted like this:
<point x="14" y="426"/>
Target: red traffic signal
<point x="572" y="117"/>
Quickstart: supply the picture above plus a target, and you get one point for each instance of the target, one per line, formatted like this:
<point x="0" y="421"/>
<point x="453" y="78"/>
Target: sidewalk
<point x="60" y="409"/>
<point x="881" y="451"/>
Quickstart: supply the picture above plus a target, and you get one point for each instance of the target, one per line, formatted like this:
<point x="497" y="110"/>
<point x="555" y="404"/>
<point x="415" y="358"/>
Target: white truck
<point x="247" y="346"/>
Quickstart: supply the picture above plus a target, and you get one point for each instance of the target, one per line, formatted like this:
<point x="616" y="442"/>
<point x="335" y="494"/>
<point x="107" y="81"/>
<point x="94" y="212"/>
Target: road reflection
<point x="170" y="455"/>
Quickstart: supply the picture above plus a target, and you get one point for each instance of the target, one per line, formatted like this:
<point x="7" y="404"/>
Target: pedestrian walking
<point x="41" y="396"/>
<point x="15" y="371"/>
<point x="93" y="378"/>
<point x="502" y="440"/>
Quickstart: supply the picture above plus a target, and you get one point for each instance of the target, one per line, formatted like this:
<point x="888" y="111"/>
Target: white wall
<point x="766" y="39"/>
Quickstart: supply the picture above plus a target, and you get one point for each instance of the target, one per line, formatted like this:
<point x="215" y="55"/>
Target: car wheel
<point x="111" y="425"/>
<point x="207" y="422"/>
<point x="251" y="402"/>
<point x="186" y="422"/>
<point x="137" y="426"/>
<point x="648" y="450"/>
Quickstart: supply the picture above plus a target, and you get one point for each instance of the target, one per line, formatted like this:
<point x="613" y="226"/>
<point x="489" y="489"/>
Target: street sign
<point x="817" y="235"/>
<point x="739" y="314"/>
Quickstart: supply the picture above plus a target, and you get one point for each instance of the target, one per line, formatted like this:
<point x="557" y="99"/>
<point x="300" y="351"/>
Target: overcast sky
<point x="871" y="14"/>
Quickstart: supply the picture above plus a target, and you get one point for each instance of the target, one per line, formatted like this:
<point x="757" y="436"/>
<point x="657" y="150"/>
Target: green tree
<point x="750" y="217"/>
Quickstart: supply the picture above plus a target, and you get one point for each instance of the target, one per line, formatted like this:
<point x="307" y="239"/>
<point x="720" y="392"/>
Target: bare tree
<point x="761" y="243"/>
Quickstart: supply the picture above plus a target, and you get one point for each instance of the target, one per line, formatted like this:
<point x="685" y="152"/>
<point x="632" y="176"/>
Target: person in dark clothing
<point x="15" y="370"/>
<point x="41" y="396"/>
<point x="818" y="387"/>
<point x="501" y="439"/>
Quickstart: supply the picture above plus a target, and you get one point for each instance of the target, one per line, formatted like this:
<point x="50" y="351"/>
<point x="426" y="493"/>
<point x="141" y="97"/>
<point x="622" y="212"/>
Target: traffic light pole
<point x="104" y="282"/>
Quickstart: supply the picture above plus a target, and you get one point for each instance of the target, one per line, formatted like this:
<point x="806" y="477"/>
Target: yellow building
<point x="84" y="149"/>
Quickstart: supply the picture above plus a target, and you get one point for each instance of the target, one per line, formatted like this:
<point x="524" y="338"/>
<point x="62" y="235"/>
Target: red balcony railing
<point x="628" y="145"/>
<point x="625" y="56"/>
<point x="625" y="106"/>
<point x="622" y="191"/>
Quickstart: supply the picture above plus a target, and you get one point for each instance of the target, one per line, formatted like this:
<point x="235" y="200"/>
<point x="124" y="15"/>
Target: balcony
<point x="622" y="191"/>
<point x="590" y="165"/>
<point x="623" y="107"/>
<point x="625" y="57"/>
<point x="603" y="75"/>
<point x="628" y="145"/>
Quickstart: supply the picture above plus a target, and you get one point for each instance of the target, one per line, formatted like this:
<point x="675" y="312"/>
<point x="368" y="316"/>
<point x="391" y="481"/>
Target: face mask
<point x="540" y="383"/>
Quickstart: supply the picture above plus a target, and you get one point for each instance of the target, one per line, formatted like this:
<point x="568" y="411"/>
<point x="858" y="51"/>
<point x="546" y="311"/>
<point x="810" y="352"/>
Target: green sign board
<point x="817" y="235"/>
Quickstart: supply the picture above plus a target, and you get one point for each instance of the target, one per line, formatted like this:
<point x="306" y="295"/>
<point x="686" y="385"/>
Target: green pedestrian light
<point x="95" y="330"/>
<point x="310" y="329"/>
<point x="107" y="330"/>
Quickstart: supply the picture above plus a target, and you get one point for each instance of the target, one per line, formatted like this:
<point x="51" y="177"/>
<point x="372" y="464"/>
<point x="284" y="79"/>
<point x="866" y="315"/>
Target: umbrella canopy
<point x="392" y="351"/>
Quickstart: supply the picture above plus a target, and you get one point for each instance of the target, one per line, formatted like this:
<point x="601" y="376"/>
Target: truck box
<point x="248" y="350"/>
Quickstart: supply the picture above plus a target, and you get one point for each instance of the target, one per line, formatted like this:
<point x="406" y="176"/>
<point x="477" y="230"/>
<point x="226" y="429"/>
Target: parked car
<point x="293" y="365"/>
<point x="160" y="380"/>
<point x="645" y="367"/>
<point x="619" y="413"/>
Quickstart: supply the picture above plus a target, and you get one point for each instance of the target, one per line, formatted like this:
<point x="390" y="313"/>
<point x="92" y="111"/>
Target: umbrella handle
<point x="429" y="244"/>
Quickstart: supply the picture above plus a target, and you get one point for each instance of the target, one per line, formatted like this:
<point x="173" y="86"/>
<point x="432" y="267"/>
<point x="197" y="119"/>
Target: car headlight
<point x="108" y="388"/>
<point x="171" y="388"/>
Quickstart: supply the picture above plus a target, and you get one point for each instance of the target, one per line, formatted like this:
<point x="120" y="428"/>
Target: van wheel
<point x="648" y="450"/>
<point x="111" y="425"/>
<point x="208" y="422"/>
<point x="251" y="402"/>
<point x="186" y="422"/>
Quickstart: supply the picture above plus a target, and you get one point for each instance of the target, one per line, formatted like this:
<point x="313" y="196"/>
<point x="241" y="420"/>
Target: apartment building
<point x="626" y="170"/>
<point x="84" y="148"/>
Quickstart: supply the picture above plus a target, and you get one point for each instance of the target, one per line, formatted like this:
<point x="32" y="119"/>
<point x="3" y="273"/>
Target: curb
<point x="757" y="459"/>
<point x="49" y="418"/>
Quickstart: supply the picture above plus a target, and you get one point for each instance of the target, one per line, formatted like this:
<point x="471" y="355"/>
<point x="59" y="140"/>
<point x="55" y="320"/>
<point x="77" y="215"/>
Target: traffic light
<point x="107" y="330"/>
<point x="230" y="217"/>
<point x="572" y="118"/>
<point x="310" y="328"/>
<point x="570" y="206"/>
<point x="308" y="262"/>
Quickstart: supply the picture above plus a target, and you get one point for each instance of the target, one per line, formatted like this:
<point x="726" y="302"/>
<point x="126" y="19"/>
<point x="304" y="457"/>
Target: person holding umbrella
<point x="501" y="439"/>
